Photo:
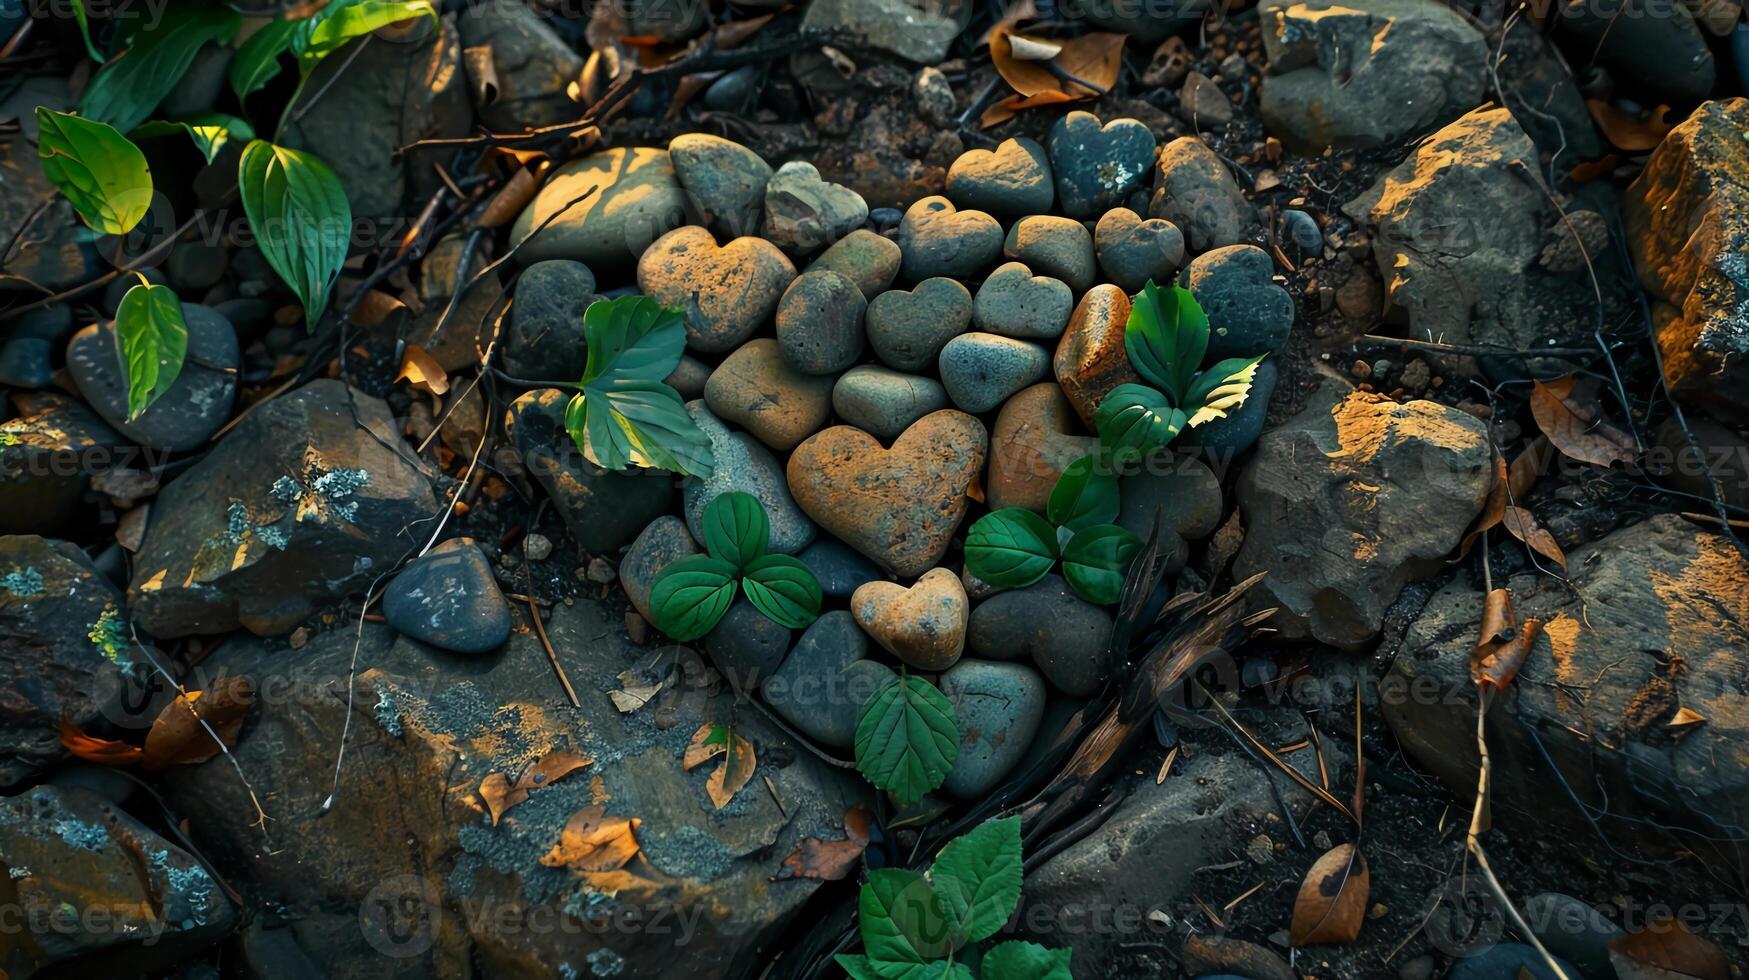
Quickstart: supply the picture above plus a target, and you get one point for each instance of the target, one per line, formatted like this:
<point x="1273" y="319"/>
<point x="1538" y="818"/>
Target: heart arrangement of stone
<point x="874" y="388"/>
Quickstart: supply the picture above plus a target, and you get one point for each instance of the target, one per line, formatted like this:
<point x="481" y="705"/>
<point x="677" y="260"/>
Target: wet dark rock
<point x="194" y="408"/>
<point x="60" y="255"/>
<point x="75" y="860"/>
<point x="48" y="454"/>
<point x="997" y="707"/>
<point x="1065" y="636"/>
<point x="1508" y="960"/>
<point x="664" y="541"/>
<point x="1178" y="490"/>
<point x="309" y="498"/>
<point x="734" y="90"/>
<point x="1096" y="167"/>
<point x="1666" y="51"/>
<point x="724" y="180"/>
<point x="434" y="727"/>
<point x="194" y="267"/>
<point x="1573" y="931"/>
<point x="546" y="321"/>
<point x="1544" y="97"/>
<point x="603" y="509"/>
<point x="68" y="650"/>
<point x="1195" y="191"/>
<point x="1249" y="314"/>
<point x="825" y="680"/>
<point x="838" y="567"/>
<point x="746" y="645"/>
<point x="449" y="599"/>
<point x="27" y="362"/>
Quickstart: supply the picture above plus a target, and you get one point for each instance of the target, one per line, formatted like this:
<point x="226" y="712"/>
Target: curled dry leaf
<point x="482" y="74"/>
<point x="510" y="199"/>
<point x="1521" y="524"/>
<point x="635" y="691"/>
<point x="1504" y="644"/>
<point x="102" y="751"/>
<point x="1023" y="48"/>
<point x="499" y="794"/>
<point x="594" y="841"/>
<point x="375" y="307"/>
<point x="1575" y="429"/>
<point x="830" y="860"/>
<point x="1666" y="950"/>
<point x="1628" y="132"/>
<point x="422" y="371"/>
<point x="1331" y="904"/>
<point x="1511" y="483"/>
<point x="1085" y="68"/>
<point x="179" y="738"/>
<point x="739" y="760"/>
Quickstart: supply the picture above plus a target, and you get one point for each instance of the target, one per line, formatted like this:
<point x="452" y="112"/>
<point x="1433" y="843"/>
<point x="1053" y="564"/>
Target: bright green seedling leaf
<point x="301" y="218"/>
<point x="1085" y="494"/>
<point x="782" y="588"/>
<point x="84" y="19"/>
<point x="904" y="922"/>
<point x="97" y="168"/>
<point x="210" y="131"/>
<point x="625" y="414"/>
<point x="257" y="60"/>
<point x="1010" y="548"/>
<point x="1135" y="420"/>
<point x="126" y="90"/>
<point x="1020" y="960"/>
<point x="906" y="738"/>
<point x="1166" y="338"/>
<point x="1220" y="389"/>
<point x="341" y="21"/>
<point x="152" y="342"/>
<point x="736" y="529"/>
<point x="690" y="596"/>
<point x="978" y="876"/>
<point x="1097" y="560"/>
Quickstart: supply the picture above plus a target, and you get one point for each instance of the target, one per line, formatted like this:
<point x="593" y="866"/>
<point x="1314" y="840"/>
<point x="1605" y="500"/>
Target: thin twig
<point x="552" y="655"/>
<point x="1473" y="350"/>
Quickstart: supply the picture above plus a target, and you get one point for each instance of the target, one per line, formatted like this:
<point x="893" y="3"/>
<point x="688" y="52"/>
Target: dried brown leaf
<point x="422" y="371"/>
<point x="635" y="691"/>
<point x="830" y="860"/>
<point x="103" y="751"/>
<point x="1666" y="950"/>
<point x="1521" y="524"/>
<point x="178" y="736"/>
<point x="375" y="307"/>
<point x="1576" y="430"/>
<point x="1092" y="58"/>
<point x="1629" y="132"/>
<point x="1332" y="901"/>
<point x="508" y="203"/>
<point x="500" y="794"/>
<point x="1685" y="717"/>
<point x="739" y="760"/>
<point x="594" y="841"/>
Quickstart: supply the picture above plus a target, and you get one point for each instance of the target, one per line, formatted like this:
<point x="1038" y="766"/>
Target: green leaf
<point x="1220" y="389"/>
<point x="906" y="738"/>
<point x="152" y="341"/>
<point x="1096" y="561"/>
<point x="691" y="595"/>
<point x="1020" y="960"/>
<point x="736" y="529"/>
<point x="341" y="21"/>
<point x="1010" y="548"/>
<point x="1085" y="494"/>
<point x="301" y="218"/>
<point x="210" y="131"/>
<point x="103" y="174"/>
<point x="1134" y="420"/>
<point x="784" y="589"/>
<point x="625" y="413"/>
<point x="1166" y="337"/>
<point x="904" y="923"/>
<point x="125" y="91"/>
<point x="84" y="20"/>
<point x="978" y="876"/>
<point x="257" y="60"/>
<point x="858" y="967"/>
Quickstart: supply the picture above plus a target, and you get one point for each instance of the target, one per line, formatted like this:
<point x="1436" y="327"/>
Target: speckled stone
<point x="805" y="213"/>
<point x="665" y="540"/>
<point x="981" y="370"/>
<point x="1035" y="438"/>
<point x="1012" y="179"/>
<point x="1096" y="167"/>
<point x="1064" y="635"/>
<point x="908" y="329"/>
<point x="885" y="402"/>
<point x="1015" y="303"/>
<point x="863" y="257"/>
<point x="449" y="599"/>
<point x="757" y="390"/>
<point x="745" y="465"/>
<point x="819" y="323"/>
<point x="745" y="645"/>
<point x="924" y="625"/>
<point x="197" y="404"/>
<point x="937" y="239"/>
<point x="1249" y="314"/>
<point x="724" y="180"/>
<point x="825" y="680"/>
<point x="839" y="568"/>
<point x="1090" y="358"/>
<point x="1053" y="246"/>
<point x="727" y="292"/>
<point x="1132" y="250"/>
<point x="997" y="707"/>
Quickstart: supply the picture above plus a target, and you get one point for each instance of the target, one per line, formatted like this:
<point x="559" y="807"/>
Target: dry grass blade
<point x="1306" y="784"/>
<point x="1331" y="904"/>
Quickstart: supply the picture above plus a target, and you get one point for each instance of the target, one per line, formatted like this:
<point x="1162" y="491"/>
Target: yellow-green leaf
<point x="97" y="168"/>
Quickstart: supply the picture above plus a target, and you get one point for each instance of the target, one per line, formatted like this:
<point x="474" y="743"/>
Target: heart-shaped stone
<point x="1033" y="441"/>
<point x="937" y="239"/>
<point x="898" y="506"/>
<point x="1054" y="246"/>
<point x="1090" y="359"/>
<point x="980" y="370"/>
<point x="804" y="212"/>
<point x="819" y="322"/>
<point x="1015" y="303"/>
<point x="1133" y="251"/>
<point x="755" y="389"/>
<point x="924" y="625"/>
<point x="726" y="291"/>
<point x="908" y="329"/>
<point x="1096" y="167"/>
<point x="724" y="180"/>
<point x="1012" y="179"/>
